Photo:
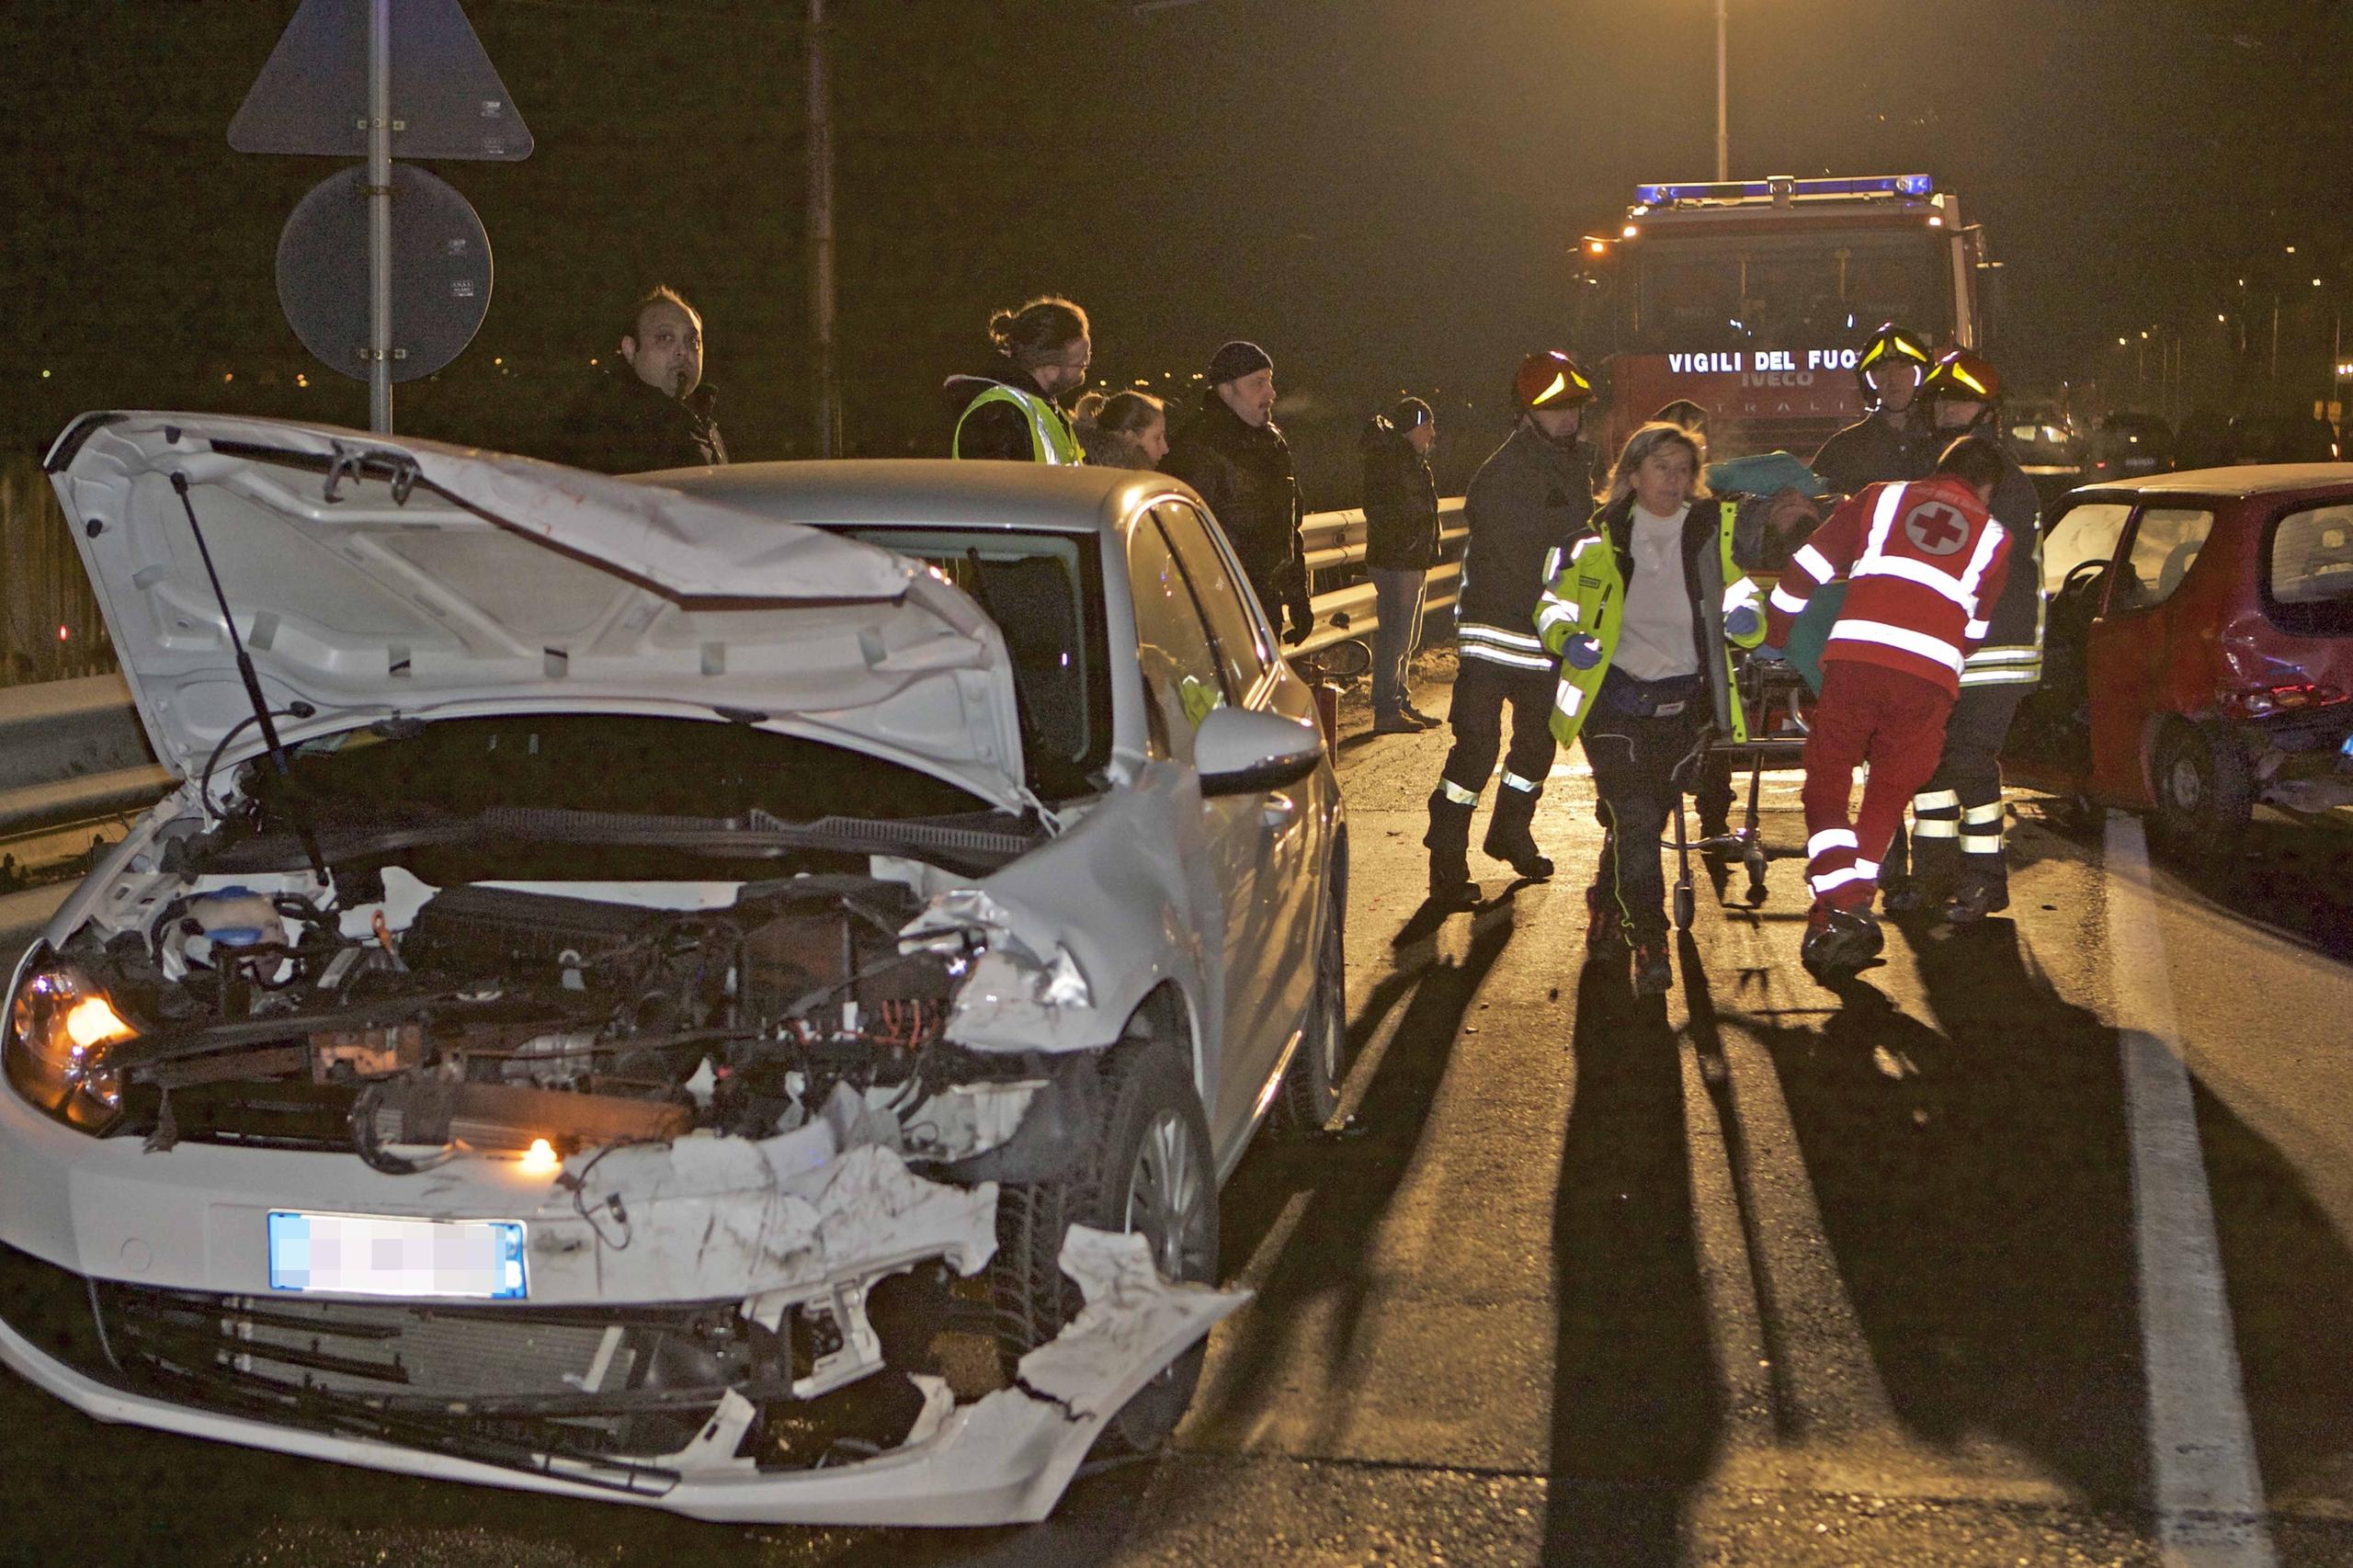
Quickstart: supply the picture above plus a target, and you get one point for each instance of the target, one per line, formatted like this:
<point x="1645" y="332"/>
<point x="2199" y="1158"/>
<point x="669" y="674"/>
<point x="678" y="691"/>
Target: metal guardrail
<point x="1343" y="597"/>
<point x="75" y="768"/>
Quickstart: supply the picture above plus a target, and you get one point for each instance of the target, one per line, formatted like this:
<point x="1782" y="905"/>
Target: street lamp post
<point x="1724" y="128"/>
<point x="822" y="325"/>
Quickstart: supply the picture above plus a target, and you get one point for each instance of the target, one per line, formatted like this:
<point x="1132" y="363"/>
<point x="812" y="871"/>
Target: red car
<point x="2199" y="653"/>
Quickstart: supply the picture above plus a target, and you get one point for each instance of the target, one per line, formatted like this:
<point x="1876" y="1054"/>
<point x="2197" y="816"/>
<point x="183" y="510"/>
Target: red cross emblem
<point x="1936" y="527"/>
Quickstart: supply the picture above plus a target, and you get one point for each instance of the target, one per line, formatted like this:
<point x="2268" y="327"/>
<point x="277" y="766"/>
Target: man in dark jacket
<point x="1234" y="455"/>
<point x="651" y="410"/>
<point x="1401" y="546"/>
<point x="1890" y="442"/>
<point x="1524" y="506"/>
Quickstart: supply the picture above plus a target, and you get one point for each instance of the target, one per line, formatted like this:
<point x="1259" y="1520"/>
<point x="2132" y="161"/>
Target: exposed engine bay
<point x="498" y="1017"/>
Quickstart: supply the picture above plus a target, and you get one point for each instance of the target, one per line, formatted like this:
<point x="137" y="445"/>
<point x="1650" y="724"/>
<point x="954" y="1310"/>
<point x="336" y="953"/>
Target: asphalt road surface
<point x="2027" y="1247"/>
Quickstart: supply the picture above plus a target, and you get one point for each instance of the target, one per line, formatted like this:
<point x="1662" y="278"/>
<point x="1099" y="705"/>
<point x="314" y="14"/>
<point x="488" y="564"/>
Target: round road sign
<point x="440" y="272"/>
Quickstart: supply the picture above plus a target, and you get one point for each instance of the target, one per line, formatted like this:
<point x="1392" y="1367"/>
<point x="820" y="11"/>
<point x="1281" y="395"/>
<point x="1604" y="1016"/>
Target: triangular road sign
<point x="448" y="101"/>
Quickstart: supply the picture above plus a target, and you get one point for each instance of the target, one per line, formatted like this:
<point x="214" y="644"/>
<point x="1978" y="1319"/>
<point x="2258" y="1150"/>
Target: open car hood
<point x="371" y="575"/>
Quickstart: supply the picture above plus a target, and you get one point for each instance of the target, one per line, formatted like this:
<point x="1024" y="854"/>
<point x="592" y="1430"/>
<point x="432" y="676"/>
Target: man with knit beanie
<point x="1234" y="456"/>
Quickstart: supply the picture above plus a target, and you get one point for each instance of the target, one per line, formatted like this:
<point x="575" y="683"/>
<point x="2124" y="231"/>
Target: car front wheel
<point x="1147" y="1170"/>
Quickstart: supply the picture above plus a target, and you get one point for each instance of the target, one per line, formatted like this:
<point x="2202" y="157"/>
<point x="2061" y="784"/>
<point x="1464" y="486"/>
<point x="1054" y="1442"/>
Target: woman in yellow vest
<point x="1012" y="409"/>
<point x="1645" y="617"/>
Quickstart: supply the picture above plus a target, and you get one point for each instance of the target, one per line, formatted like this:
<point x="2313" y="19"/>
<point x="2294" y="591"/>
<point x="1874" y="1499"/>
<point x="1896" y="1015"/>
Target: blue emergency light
<point x="1736" y="190"/>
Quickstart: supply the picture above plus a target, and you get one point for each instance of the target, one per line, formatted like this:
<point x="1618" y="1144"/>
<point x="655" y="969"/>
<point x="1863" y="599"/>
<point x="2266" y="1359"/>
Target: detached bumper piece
<point x="701" y="1409"/>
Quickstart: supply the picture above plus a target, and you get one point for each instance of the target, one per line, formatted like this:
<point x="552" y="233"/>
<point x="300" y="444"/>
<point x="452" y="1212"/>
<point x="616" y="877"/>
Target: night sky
<point x="1383" y="192"/>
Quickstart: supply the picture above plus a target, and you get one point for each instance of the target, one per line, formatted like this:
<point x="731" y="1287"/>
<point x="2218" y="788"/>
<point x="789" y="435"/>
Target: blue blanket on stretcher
<point x="1767" y="473"/>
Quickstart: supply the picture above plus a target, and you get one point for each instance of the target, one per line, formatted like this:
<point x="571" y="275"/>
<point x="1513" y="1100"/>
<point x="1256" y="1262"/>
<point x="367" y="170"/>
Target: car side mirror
<point x="1241" y="751"/>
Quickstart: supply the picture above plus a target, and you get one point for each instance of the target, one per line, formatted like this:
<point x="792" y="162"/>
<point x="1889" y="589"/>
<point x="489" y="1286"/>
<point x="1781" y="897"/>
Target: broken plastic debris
<point x="1131" y="1314"/>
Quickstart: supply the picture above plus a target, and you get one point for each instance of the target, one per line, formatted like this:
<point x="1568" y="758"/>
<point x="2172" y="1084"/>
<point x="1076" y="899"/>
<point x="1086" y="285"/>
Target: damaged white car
<point x="734" y="991"/>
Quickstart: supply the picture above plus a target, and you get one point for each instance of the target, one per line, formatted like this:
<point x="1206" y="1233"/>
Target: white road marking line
<point x="2201" y="1446"/>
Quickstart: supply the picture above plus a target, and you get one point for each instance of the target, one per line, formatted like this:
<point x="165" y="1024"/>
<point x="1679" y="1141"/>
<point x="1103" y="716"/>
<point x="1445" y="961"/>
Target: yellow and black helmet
<point x="1890" y="344"/>
<point x="1551" y="379"/>
<point x="1965" y="376"/>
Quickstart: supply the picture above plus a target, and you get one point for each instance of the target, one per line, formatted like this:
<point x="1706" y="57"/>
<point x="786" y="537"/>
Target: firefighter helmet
<point x="1890" y="344"/>
<point x="1963" y="376"/>
<point x="1551" y="379"/>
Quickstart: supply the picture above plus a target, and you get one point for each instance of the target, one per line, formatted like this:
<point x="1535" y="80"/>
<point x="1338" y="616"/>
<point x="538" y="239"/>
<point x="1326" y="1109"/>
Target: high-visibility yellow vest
<point x="1588" y="598"/>
<point x="1051" y="440"/>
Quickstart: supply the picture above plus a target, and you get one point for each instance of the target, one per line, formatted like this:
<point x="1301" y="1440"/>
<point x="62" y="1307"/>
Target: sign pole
<point x="821" y="237"/>
<point x="380" y="216"/>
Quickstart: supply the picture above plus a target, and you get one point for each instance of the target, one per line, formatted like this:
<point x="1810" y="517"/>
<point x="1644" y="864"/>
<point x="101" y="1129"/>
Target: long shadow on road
<point x="1635" y="1409"/>
<point x="1974" y="1186"/>
<point x="1347" y="1188"/>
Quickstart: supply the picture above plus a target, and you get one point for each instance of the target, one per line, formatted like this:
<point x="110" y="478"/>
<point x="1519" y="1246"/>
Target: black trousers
<point x="1633" y="775"/>
<point x="1481" y="691"/>
<point x="1958" y="820"/>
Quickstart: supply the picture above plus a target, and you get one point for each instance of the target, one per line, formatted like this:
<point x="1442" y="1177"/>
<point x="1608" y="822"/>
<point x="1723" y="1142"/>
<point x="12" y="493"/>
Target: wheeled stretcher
<point x="1775" y="696"/>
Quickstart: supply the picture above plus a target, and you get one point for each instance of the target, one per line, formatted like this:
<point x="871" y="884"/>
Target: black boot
<point x="1449" y="842"/>
<point x="1981" y="894"/>
<point x="1923" y="886"/>
<point x="1508" y="837"/>
<point x="1839" y="941"/>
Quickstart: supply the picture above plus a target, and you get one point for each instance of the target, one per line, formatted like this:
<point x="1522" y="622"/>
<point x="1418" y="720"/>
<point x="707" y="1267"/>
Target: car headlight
<point x="61" y="1030"/>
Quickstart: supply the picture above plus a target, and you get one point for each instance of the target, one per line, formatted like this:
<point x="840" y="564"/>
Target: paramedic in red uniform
<point x="1924" y="563"/>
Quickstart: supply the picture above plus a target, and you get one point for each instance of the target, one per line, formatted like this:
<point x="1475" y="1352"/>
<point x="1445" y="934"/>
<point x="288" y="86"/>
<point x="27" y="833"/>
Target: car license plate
<point x="373" y="1254"/>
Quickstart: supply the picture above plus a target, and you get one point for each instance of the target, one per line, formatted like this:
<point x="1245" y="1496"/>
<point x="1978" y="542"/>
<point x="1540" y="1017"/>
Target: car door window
<point x="2164" y="544"/>
<point x="1242" y="647"/>
<point x="1182" y="678"/>
<point x="2086" y="532"/>
<point x="2308" y="573"/>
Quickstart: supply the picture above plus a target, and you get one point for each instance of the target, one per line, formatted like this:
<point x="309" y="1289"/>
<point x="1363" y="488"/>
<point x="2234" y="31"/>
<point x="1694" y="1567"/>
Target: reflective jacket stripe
<point x="1918" y="572"/>
<point x="1920" y="644"/>
<point x="1050" y="440"/>
<point x="1500" y="656"/>
<point x="1478" y="631"/>
<point x="1987" y="543"/>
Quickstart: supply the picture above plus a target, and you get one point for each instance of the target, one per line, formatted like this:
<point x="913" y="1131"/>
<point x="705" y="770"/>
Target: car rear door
<point x="2047" y="744"/>
<point x="2138" y="639"/>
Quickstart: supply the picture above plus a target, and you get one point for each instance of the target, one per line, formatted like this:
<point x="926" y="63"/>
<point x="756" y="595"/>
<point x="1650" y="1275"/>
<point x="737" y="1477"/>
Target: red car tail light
<point x="2264" y="702"/>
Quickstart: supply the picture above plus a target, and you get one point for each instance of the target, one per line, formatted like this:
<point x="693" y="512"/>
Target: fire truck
<point x="1751" y="299"/>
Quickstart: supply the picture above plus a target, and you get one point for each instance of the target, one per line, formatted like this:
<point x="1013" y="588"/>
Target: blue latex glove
<point x="1770" y="655"/>
<point x="1743" y="621"/>
<point x="1581" y="652"/>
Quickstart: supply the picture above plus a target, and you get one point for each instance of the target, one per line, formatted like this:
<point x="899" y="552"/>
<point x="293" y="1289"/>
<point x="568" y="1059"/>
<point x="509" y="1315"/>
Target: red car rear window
<point x="2308" y="573"/>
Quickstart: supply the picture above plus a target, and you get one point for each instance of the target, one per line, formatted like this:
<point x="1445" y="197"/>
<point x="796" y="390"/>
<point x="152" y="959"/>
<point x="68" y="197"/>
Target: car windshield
<point x="1727" y="291"/>
<point x="1044" y="591"/>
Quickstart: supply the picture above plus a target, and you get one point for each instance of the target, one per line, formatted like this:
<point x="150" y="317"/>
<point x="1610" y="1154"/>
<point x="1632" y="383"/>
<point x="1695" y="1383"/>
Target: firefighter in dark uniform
<point x="1526" y="506"/>
<point x="1889" y="441"/>
<point x="1957" y="851"/>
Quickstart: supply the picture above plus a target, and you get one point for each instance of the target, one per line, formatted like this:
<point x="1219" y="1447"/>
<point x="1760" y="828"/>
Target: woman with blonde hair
<point x="1127" y="429"/>
<point x="1645" y="617"/>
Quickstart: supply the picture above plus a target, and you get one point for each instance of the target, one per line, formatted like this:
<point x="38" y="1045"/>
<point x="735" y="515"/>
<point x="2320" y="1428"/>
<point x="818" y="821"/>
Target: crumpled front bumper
<point x="1002" y="1460"/>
